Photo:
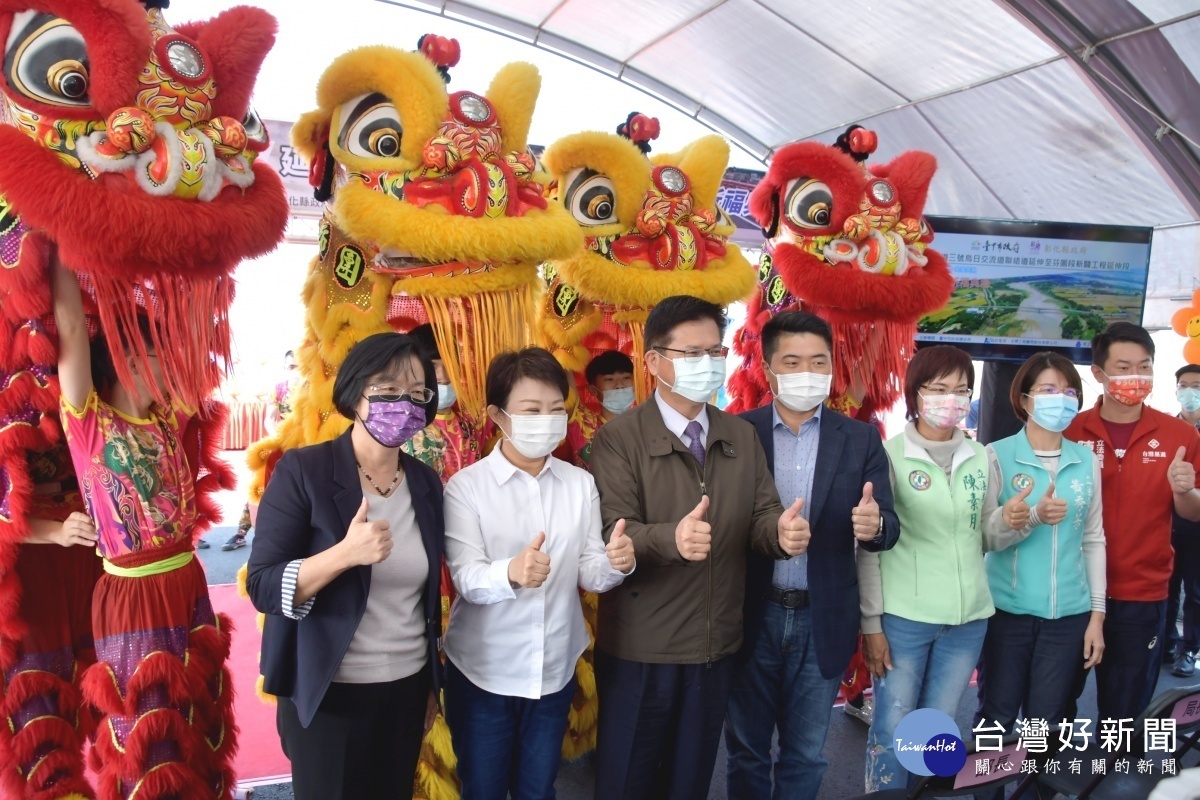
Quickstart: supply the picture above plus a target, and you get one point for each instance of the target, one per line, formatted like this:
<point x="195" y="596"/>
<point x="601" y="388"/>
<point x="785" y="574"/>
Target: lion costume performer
<point x="433" y="215"/>
<point x="126" y="159"/>
<point x="652" y="230"/>
<point x="848" y="243"/>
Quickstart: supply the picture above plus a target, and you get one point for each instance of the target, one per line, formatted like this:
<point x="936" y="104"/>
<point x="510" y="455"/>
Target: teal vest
<point x="1044" y="575"/>
<point x="935" y="572"/>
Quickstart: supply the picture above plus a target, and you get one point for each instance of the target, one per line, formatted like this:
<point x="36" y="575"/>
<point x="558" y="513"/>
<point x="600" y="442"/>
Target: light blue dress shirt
<point x="795" y="465"/>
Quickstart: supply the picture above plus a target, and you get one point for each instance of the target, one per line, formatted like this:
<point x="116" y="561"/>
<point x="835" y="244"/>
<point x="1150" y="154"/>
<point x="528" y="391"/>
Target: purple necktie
<point x="696" y="444"/>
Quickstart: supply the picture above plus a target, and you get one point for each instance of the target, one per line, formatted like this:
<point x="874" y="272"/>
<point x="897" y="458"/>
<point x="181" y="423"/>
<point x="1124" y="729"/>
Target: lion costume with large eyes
<point x="848" y="243"/>
<point x="129" y="152"/>
<point x="652" y="230"/>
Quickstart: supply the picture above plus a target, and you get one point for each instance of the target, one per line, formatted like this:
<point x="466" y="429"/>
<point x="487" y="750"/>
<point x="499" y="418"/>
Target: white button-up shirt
<point x="676" y="423"/>
<point x="522" y="642"/>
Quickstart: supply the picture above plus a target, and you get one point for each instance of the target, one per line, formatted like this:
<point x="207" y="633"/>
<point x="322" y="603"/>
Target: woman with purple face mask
<point x="925" y="603"/>
<point x="346" y="564"/>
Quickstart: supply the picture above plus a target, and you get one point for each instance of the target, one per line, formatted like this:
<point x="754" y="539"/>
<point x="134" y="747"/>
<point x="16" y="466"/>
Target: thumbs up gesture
<point x="531" y="568"/>
<point x="865" y="515"/>
<point x="1016" y="510"/>
<point x="620" y="549"/>
<point x="794" y="532"/>
<point x="1181" y="473"/>
<point x="1051" y="510"/>
<point x="693" y="536"/>
<point x="367" y="542"/>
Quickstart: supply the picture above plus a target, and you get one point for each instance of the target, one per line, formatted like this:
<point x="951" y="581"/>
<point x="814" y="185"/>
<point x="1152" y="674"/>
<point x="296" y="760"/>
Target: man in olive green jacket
<point x="693" y="487"/>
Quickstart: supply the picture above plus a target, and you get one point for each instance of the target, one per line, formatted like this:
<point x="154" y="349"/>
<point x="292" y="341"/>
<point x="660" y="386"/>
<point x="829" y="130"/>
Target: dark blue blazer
<point x="849" y="453"/>
<point x="313" y="495"/>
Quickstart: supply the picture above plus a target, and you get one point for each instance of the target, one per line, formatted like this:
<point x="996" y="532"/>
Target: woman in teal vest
<point x="925" y="603"/>
<point x="1045" y="533"/>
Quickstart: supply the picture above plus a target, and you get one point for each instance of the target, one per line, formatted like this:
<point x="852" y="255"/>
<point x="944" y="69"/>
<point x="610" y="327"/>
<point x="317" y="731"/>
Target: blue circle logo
<point x="928" y="742"/>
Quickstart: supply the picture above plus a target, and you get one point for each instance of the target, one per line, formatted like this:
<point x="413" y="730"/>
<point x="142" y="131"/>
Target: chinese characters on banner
<point x="292" y="169"/>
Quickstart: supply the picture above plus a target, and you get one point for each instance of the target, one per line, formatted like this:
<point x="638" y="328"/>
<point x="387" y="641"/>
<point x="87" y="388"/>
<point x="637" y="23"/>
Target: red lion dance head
<point x="849" y="243"/>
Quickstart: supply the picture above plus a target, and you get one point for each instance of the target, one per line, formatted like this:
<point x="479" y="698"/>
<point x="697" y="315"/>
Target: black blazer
<point x="849" y="453"/>
<point x="313" y="495"/>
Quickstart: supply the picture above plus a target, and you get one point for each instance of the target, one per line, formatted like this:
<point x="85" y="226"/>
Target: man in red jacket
<point x="1148" y="464"/>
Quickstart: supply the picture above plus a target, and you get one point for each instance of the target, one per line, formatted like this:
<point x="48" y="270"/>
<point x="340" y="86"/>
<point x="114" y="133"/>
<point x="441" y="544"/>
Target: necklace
<point x="375" y="485"/>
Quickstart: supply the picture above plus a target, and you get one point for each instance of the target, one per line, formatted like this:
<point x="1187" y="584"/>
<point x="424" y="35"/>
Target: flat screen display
<point x="1021" y="287"/>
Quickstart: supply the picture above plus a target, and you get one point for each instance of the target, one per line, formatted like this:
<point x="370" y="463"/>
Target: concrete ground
<point x="845" y="746"/>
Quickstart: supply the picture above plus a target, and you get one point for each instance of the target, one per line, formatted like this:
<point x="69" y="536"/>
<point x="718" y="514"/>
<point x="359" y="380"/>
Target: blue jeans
<point x="781" y="685"/>
<point x="931" y="668"/>
<point x="505" y="744"/>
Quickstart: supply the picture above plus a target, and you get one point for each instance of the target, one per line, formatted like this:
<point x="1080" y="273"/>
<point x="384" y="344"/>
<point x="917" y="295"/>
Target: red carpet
<point x="259" y="758"/>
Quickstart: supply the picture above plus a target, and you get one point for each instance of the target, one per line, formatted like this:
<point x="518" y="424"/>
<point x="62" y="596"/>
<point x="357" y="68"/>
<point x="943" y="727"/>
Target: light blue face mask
<point x="446" y="396"/>
<point x="617" y="401"/>
<point x="1054" y="412"/>
<point x="1189" y="398"/>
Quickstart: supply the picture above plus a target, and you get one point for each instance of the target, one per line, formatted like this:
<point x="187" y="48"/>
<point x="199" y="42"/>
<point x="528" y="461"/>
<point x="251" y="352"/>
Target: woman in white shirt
<point x="522" y="537"/>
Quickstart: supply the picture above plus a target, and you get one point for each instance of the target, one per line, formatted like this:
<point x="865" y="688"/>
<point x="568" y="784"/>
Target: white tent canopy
<point x="1071" y="110"/>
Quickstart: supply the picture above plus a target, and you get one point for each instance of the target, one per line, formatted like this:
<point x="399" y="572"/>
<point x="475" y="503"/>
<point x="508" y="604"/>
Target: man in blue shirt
<point x="801" y="614"/>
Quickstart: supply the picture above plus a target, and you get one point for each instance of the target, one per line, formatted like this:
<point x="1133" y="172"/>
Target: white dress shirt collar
<point x="676" y="423"/>
<point x="503" y="469"/>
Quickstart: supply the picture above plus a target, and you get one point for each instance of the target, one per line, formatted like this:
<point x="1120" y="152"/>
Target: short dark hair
<point x="534" y="363"/>
<point x="672" y="312"/>
<point x="426" y="341"/>
<point x="608" y="362"/>
<point x="1186" y="369"/>
<point x="1119" y="332"/>
<point x="929" y="364"/>
<point x="791" y="322"/>
<point x="104" y="371"/>
<point x="372" y="356"/>
<point x="1034" y="366"/>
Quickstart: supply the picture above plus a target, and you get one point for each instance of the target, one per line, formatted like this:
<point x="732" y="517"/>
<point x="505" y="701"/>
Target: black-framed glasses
<point x="692" y="356"/>
<point x="389" y="394"/>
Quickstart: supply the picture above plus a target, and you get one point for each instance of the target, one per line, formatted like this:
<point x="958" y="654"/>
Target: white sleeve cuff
<point x="498" y="578"/>
<point x="290" y="574"/>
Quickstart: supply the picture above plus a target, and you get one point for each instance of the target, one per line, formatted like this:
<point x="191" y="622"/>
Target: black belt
<point x="788" y="598"/>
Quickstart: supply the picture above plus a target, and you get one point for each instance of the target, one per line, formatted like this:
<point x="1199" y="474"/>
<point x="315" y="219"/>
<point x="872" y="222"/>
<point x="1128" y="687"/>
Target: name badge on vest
<point x="919" y="480"/>
<point x="1021" y="481"/>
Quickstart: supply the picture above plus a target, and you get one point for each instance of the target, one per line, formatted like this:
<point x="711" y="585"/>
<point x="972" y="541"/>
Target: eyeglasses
<point x="392" y="394"/>
<point x="1053" y="390"/>
<point x="693" y="356"/>
<point x="938" y="388"/>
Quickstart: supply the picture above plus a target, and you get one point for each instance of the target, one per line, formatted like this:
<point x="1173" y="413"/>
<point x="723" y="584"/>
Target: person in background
<point x="610" y="382"/>
<point x="690" y="486"/>
<point x="522" y="538"/>
<point x="1044" y="524"/>
<point x="925" y="603"/>
<point x="971" y="424"/>
<point x="1185" y="538"/>
<point x="448" y="443"/>
<point x="346" y="567"/>
<point x="1148" y="470"/>
<point x="801" y="614"/>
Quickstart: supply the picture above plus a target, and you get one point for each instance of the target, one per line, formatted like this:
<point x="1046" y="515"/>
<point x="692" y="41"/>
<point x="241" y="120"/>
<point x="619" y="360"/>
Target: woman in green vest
<point x="1045" y="533"/>
<point x="925" y="603"/>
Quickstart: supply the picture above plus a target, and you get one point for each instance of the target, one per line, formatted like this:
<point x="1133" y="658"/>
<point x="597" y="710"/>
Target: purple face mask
<point x="393" y="423"/>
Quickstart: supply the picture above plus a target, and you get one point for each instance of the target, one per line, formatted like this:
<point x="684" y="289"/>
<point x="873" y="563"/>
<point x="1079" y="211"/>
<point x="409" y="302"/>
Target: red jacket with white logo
<point x="1137" y="496"/>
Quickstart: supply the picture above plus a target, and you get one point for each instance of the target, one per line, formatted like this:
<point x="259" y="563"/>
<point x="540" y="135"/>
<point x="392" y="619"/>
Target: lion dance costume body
<point x="652" y="230"/>
<point x="433" y="215"/>
<point x="848" y="243"/>
<point x="126" y="159"/>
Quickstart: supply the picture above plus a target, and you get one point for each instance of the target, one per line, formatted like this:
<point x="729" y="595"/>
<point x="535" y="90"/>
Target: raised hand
<point x="794" y="532"/>
<point x="367" y="542"/>
<point x="1051" y="510"/>
<point x="693" y="536"/>
<point x="1016" y="510"/>
<point x="1181" y="473"/>
<point x="620" y="549"/>
<point x="531" y="568"/>
<point x="865" y="515"/>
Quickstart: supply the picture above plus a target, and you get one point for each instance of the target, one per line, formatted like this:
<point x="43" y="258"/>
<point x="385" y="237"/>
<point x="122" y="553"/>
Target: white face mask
<point x="617" y="401"/>
<point x="802" y="391"/>
<point x="446" y="396"/>
<point x="536" y="435"/>
<point x="697" y="381"/>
